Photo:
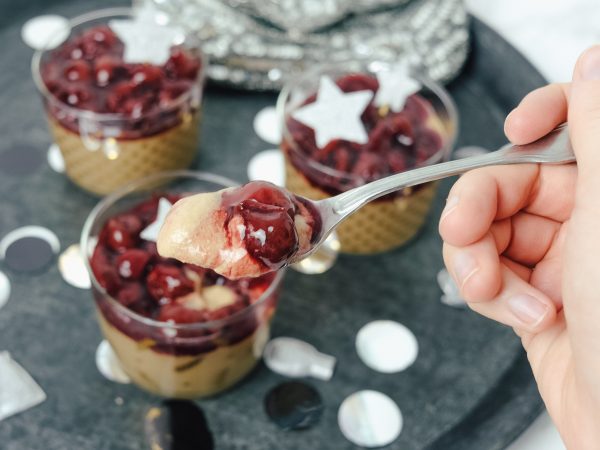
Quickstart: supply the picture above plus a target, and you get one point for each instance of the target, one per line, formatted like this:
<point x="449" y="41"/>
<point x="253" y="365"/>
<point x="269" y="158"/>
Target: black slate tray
<point x="470" y="388"/>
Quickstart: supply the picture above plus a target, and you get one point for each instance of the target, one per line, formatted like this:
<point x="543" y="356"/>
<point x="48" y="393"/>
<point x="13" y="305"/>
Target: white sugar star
<point x="395" y="86"/>
<point x="150" y="233"/>
<point x="335" y="114"/>
<point x="145" y="40"/>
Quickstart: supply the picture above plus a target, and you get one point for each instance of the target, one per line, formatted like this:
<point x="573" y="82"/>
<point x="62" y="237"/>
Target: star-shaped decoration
<point x="395" y="86"/>
<point x="335" y="114"/>
<point x="150" y="233"/>
<point x="145" y="40"/>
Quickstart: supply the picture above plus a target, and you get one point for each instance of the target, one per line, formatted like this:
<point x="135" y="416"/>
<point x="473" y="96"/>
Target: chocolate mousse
<point x="179" y="330"/>
<point x="240" y="232"/>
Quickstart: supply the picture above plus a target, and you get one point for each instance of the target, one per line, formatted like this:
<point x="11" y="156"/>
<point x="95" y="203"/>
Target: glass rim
<point x="131" y="188"/>
<point x="349" y="67"/>
<point x="36" y="62"/>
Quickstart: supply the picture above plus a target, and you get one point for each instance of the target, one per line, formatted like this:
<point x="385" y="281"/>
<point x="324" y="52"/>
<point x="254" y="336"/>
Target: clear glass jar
<point x="180" y="360"/>
<point x="392" y="220"/>
<point x="106" y="150"/>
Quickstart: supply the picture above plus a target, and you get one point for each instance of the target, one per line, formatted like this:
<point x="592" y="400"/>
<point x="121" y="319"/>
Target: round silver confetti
<point x="47" y="31"/>
<point x="386" y="346"/>
<point x="72" y="268"/>
<point x="370" y="419"/>
<point x="450" y="289"/>
<point x="295" y="358"/>
<point x="29" y="248"/>
<point x="4" y="289"/>
<point x="267" y="165"/>
<point x="55" y="159"/>
<point x="321" y="260"/>
<point x="108" y="364"/>
<point x="266" y="125"/>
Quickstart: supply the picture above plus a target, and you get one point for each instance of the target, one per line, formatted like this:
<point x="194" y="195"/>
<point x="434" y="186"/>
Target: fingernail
<point x="527" y="309"/>
<point x="465" y="266"/>
<point x="590" y="64"/>
<point x="451" y="204"/>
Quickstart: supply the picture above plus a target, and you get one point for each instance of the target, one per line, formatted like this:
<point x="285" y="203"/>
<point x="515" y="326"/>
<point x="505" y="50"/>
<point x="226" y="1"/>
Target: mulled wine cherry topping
<point x="398" y="141"/>
<point x="88" y="72"/>
<point x="131" y="271"/>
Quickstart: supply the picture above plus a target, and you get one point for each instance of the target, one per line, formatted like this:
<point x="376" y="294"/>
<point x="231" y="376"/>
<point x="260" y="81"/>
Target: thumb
<point x="582" y="244"/>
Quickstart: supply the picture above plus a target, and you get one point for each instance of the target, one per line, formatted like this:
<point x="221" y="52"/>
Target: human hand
<point x="523" y="244"/>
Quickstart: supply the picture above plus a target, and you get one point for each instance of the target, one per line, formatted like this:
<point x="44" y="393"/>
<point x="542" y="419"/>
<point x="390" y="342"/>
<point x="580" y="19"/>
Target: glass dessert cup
<point x="393" y="220"/>
<point x="106" y="147"/>
<point x="160" y="353"/>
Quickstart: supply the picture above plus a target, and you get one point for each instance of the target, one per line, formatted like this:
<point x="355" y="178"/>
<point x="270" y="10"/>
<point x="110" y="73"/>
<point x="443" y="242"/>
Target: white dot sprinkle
<point x="386" y="346"/>
<point x="4" y="289"/>
<point x="47" y="31"/>
<point x="266" y="125"/>
<point x="108" y="364"/>
<point x="55" y="159"/>
<point x="267" y="165"/>
<point x="370" y="419"/>
<point x="72" y="268"/>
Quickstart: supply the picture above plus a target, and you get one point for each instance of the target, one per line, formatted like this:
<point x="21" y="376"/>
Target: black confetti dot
<point x="29" y="254"/>
<point x="18" y="161"/>
<point x="177" y="425"/>
<point x="294" y="405"/>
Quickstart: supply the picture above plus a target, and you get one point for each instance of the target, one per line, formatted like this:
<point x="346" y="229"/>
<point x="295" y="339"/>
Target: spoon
<point x="259" y="227"/>
<point x="554" y="148"/>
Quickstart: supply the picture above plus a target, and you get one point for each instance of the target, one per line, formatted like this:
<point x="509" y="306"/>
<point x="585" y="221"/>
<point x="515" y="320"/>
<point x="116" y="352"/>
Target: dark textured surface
<point x="470" y="387"/>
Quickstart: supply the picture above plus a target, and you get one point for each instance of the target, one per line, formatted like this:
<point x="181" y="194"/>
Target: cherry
<point x="166" y="282"/>
<point x="130" y="293"/>
<point x="182" y="65"/>
<point x="107" y="68"/>
<point x="104" y="269"/>
<point x="123" y="232"/>
<point x="357" y="82"/>
<point x="429" y="143"/>
<point x="77" y="70"/>
<point x="147" y="76"/>
<point x="131" y="263"/>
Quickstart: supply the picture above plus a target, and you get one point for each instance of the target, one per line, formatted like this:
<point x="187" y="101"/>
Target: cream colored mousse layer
<point x="188" y="377"/>
<point x="195" y="232"/>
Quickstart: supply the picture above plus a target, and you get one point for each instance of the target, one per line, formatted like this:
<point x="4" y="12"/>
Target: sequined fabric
<point x="259" y="44"/>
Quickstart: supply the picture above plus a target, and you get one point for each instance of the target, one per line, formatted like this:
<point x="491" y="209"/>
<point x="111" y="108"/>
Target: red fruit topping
<point x="107" y="69"/>
<point x="77" y="71"/>
<point x="268" y="215"/>
<point x="130" y="294"/>
<point x="131" y="263"/>
<point x="104" y="269"/>
<point x="182" y="65"/>
<point x="179" y="313"/>
<point x="357" y="82"/>
<point x="167" y="283"/>
<point x="123" y="232"/>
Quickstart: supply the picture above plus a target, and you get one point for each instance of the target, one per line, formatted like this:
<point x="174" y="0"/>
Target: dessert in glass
<point x="117" y="111"/>
<point x="178" y="330"/>
<point x="390" y="134"/>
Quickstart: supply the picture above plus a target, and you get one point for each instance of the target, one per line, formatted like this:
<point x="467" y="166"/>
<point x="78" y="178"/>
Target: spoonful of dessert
<point x="259" y="227"/>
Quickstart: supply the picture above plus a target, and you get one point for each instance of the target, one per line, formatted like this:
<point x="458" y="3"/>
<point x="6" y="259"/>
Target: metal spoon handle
<point x="554" y="148"/>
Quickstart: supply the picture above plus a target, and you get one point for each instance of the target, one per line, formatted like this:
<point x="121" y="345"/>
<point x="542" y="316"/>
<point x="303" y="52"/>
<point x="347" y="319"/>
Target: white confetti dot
<point x="267" y="126"/>
<point x="72" y="268"/>
<point x="267" y="165"/>
<point x="108" y="364"/>
<point x="46" y="31"/>
<point x="4" y="289"/>
<point x="55" y="159"/>
<point x="386" y="346"/>
<point x="370" y="419"/>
